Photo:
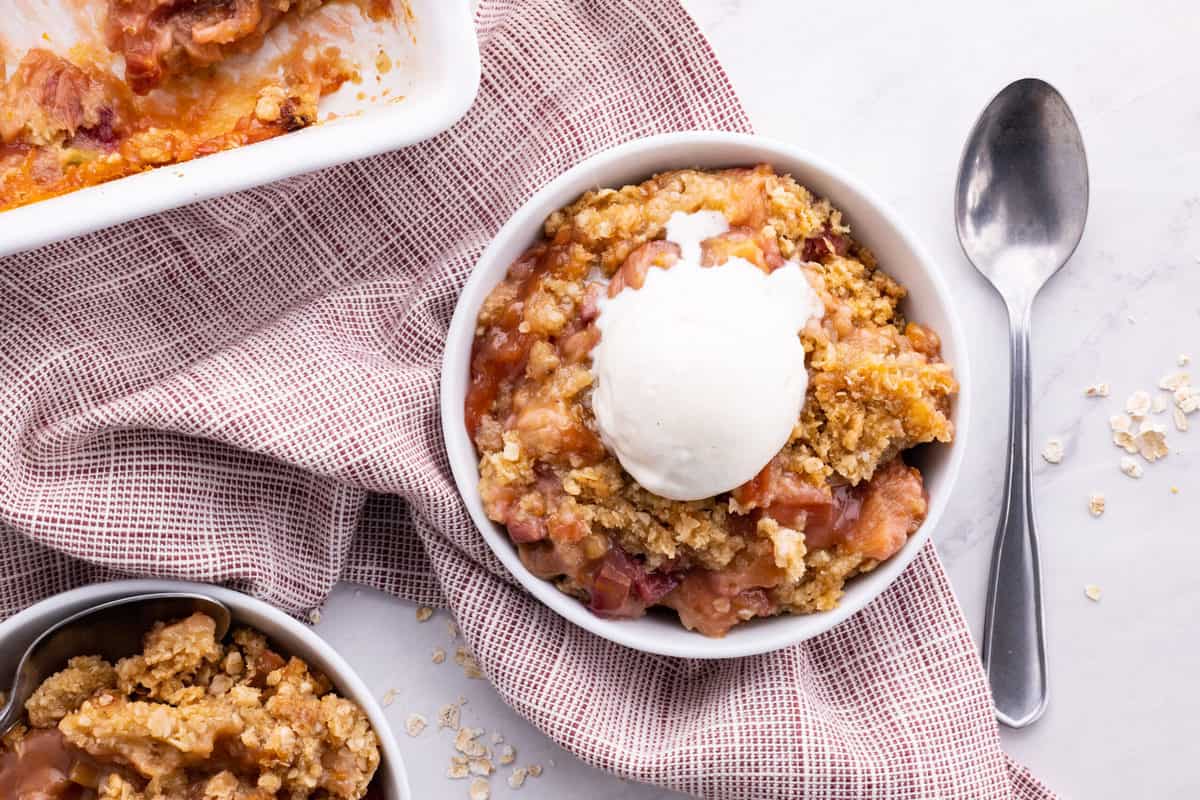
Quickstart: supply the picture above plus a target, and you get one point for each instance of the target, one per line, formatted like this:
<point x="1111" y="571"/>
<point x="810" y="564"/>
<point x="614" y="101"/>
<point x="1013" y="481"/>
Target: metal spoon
<point x="1020" y="207"/>
<point x="111" y="630"/>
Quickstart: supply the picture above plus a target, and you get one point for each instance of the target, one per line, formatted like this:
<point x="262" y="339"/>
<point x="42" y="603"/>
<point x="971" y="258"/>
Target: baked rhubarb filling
<point x="148" y="92"/>
<point x="696" y="393"/>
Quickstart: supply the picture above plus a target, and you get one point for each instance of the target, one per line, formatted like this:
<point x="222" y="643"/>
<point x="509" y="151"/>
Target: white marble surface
<point x="889" y="95"/>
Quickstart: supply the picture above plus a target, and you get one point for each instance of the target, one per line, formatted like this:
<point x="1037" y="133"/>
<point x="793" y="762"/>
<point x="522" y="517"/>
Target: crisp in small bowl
<point x="872" y="223"/>
<point x="291" y="637"/>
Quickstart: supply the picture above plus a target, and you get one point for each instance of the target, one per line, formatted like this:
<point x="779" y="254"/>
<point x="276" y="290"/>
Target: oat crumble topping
<point x="193" y="717"/>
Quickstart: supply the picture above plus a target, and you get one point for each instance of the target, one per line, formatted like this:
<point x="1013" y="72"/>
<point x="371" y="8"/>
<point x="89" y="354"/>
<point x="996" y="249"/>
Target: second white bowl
<point x="291" y="637"/>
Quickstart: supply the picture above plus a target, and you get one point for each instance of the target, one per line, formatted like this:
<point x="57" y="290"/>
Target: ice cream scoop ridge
<point x="700" y="373"/>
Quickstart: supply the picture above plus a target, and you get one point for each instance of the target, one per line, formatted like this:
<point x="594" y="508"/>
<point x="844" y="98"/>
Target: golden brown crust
<point x="191" y="717"/>
<point x="63" y="692"/>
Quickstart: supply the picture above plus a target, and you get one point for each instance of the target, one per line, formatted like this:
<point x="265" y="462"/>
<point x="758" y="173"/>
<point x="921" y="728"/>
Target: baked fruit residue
<point x="70" y="121"/>
<point x="189" y="717"/>
<point x="835" y="501"/>
<point x="159" y="38"/>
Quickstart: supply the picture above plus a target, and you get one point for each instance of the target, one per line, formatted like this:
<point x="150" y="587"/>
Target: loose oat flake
<point x="1152" y="441"/>
<point x="448" y="717"/>
<point x="1053" y="451"/>
<point x="458" y="768"/>
<point x="466" y="743"/>
<point x="535" y="770"/>
<point x="389" y="697"/>
<point x="1122" y="426"/>
<point x="1130" y="467"/>
<point x="466" y="660"/>
<point x="415" y="724"/>
<point x="1096" y="504"/>
<point x="1138" y="404"/>
<point x="1187" y="399"/>
<point x="424" y="613"/>
<point x="1181" y="420"/>
<point x="1097" y="390"/>
<point x="1183" y="360"/>
<point x="479" y="790"/>
<point x="1158" y="404"/>
<point x="1174" y="380"/>
<point x="481" y="766"/>
<point x="505" y="754"/>
<point x="314" y="616"/>
<point x="1093" y="592"/>
<point x="439" y="655"/>
<point x="517" y="778"/>
<point x="1126" y="441"/>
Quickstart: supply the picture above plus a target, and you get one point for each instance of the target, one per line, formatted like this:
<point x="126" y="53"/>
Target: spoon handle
<point x="1014" y="640"/>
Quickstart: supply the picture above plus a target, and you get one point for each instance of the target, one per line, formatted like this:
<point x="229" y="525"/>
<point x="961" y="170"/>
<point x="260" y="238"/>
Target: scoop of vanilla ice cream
<point x="700" y="373"/>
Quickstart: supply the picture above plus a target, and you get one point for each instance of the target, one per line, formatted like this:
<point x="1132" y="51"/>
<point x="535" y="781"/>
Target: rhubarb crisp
<point x="836" y="500"/>
<point x="155" y="82"/>
<point x="190" y="718"/>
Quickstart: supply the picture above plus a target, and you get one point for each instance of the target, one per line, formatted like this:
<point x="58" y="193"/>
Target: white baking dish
<point x="436" y="72"/>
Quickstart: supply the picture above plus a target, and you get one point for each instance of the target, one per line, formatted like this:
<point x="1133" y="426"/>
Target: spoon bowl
<point x="1020" y="208"/>
<point x="1022" y="195"/>
<point x="111" y="630"/>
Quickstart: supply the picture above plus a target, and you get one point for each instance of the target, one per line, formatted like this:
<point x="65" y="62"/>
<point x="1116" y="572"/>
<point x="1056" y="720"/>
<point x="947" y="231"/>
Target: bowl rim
<point x="50" y="610"/>
<point x="456" y="361"/>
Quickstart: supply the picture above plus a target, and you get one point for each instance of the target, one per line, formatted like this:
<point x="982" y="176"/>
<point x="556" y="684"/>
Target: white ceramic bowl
<point x="291" y="637"/>
<point x="871" y="222"/>
<point x="437" y="73"/>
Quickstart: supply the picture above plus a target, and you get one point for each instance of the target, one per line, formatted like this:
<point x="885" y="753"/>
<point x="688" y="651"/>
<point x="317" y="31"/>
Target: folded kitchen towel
<point x="244" y="391"/>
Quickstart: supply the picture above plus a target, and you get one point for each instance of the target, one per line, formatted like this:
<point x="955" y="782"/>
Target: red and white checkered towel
<point x="244" y="391"/>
